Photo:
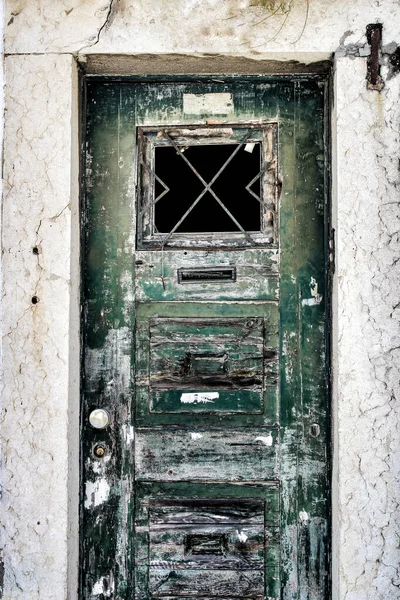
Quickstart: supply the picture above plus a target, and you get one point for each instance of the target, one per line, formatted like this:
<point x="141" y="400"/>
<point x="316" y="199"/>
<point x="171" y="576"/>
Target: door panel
<point x="206" y="361"/>
<point x="158" y="276"/>
<point x="190" y="545"/>
<point x="205" y="303"/>
<point x="206" y="455"/>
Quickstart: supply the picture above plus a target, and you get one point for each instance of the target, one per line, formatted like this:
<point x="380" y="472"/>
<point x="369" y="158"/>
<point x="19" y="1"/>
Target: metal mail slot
<point x="207" y="274"/>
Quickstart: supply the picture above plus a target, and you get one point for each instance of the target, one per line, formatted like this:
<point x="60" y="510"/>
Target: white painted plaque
<point x="208" y="104"/>
<point x="199" y="397"/>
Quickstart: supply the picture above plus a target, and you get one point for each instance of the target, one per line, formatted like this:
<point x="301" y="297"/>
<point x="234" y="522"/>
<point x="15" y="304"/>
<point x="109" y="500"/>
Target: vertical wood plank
<point x="107" y="303"/>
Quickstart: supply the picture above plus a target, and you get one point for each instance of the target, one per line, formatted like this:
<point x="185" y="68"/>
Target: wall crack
<point x="111" y="11"/>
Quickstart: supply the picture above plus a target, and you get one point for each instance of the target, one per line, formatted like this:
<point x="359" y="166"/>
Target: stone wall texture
<point x="40" y="246"/>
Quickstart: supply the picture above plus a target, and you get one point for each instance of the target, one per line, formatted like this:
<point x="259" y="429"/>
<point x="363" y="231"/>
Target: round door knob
<point x="99" y="418"/>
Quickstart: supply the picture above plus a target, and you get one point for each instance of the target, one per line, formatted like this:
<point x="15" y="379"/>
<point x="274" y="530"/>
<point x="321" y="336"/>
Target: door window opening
<point x="231" y="187"/>
<point x="218" y="184"/>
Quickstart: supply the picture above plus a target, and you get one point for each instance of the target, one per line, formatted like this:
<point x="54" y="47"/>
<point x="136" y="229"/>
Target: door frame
<point x="329" y="232"/>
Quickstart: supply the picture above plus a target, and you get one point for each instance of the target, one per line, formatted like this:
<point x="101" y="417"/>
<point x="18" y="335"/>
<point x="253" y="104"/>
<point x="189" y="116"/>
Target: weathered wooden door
<point x="205" y="472"/>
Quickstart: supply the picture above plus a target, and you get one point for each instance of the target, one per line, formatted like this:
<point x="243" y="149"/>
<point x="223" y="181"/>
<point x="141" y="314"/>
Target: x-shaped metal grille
<point x="208" y="186"/>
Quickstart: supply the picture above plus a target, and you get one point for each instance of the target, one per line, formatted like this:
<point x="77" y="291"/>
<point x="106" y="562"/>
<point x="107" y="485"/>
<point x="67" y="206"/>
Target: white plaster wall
<point x="36" y="214"/>
<point x="239" y="26"/>
<point x="368" y="350"/>
<point x="40" y="208"/>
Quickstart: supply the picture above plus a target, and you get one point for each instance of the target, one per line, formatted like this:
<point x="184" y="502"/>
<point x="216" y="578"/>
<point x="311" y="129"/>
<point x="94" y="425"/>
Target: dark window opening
<point x="230" y="187"/>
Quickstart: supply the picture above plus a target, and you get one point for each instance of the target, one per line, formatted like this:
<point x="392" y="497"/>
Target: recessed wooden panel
<point x="175" y="454"/>
<point x="206" y="359"/>
<point x="217" y="364"/>
<point x="225" y="545"/>
<point x="212" y="353"/>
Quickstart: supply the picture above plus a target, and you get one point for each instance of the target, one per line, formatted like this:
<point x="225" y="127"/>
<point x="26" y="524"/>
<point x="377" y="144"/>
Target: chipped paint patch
<point x="309" y="302"/>
<point x="242" y="536"/>
<point x="266" y="440"/>
<point x="314" y="290"/>
<point x="104" y="586"/>
<point x="316" y="298"/>
<point x="96" y="492"/>
<point x="303" y="516"/>
<point x="249" y="147"/>
<point x="128" y="433"/>
<point x="208" y="104"/>
<point x="195" y="436"/>
<point x="199" y="397"/>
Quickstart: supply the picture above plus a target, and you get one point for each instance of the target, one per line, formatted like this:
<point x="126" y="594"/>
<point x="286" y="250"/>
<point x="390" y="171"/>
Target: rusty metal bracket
<point x="374" y="37"/>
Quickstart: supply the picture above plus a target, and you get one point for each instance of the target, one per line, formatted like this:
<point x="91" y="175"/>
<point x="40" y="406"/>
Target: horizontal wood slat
<point x="175" y="454"/>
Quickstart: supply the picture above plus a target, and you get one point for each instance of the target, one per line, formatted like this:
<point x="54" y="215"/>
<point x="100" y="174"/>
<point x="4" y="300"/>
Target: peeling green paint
<point x="258" y="342"/>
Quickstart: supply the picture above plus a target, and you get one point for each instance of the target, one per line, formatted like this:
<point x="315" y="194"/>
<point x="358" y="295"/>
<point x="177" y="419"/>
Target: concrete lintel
<point x="205" y="64"/>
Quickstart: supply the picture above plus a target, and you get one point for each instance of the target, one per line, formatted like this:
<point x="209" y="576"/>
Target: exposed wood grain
<point x="304" y="385"/>
<point x="213" y="353"/>
<point x="207" y="547"/>
<point x="171" y="65"/>
<point x="209" y="348"/>
<point x="205" y="510"/>
<point x="175" y="454"/>
<point x="107" y="339"/>
<point x="220" y="583"/>
<point x="232" y="500"/>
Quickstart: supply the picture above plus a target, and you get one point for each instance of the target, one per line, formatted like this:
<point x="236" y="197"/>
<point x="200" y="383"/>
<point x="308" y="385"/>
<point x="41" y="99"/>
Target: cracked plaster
<point x="234" y="26"/>
<point x="37" y="212"/>
<point x="368" y="389"/>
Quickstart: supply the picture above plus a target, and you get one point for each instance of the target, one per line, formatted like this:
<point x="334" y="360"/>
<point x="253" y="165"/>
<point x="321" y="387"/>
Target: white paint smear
<point x="242" y="536"/>
<point x="267" y="440"/>
<point x="196" y="436"/>
<point x="98" y="588"/>
<point x="128" y="433"/>
<point x="315" y="297"/>
<point x="96" y="492"/>
<point x="199" y="397"/>
<point x="309" y="302"/>
<point x="303" y="516"/>
<point x="208" y="104"/>
<point x="106" y="590"/>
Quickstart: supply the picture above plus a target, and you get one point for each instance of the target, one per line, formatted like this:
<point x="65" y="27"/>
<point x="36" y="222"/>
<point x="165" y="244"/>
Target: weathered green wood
<point x="231" y="501"/>
<point x="172" y="454"/>
<point x="187" y="330"/>
<point x="107" y="340"/>
<point x="304" y="398"/>
<point x="151" y="138"/>
<point x="172" y="514"/>
<point x="141" y="333"/>
<point x="207" y="547"/>
<point x="228" y="409"/>
<point x="207" y="353"/>
<point x="219" y="583"/>
<point x="245" y="512"/>
<point x="256" y="275"/>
